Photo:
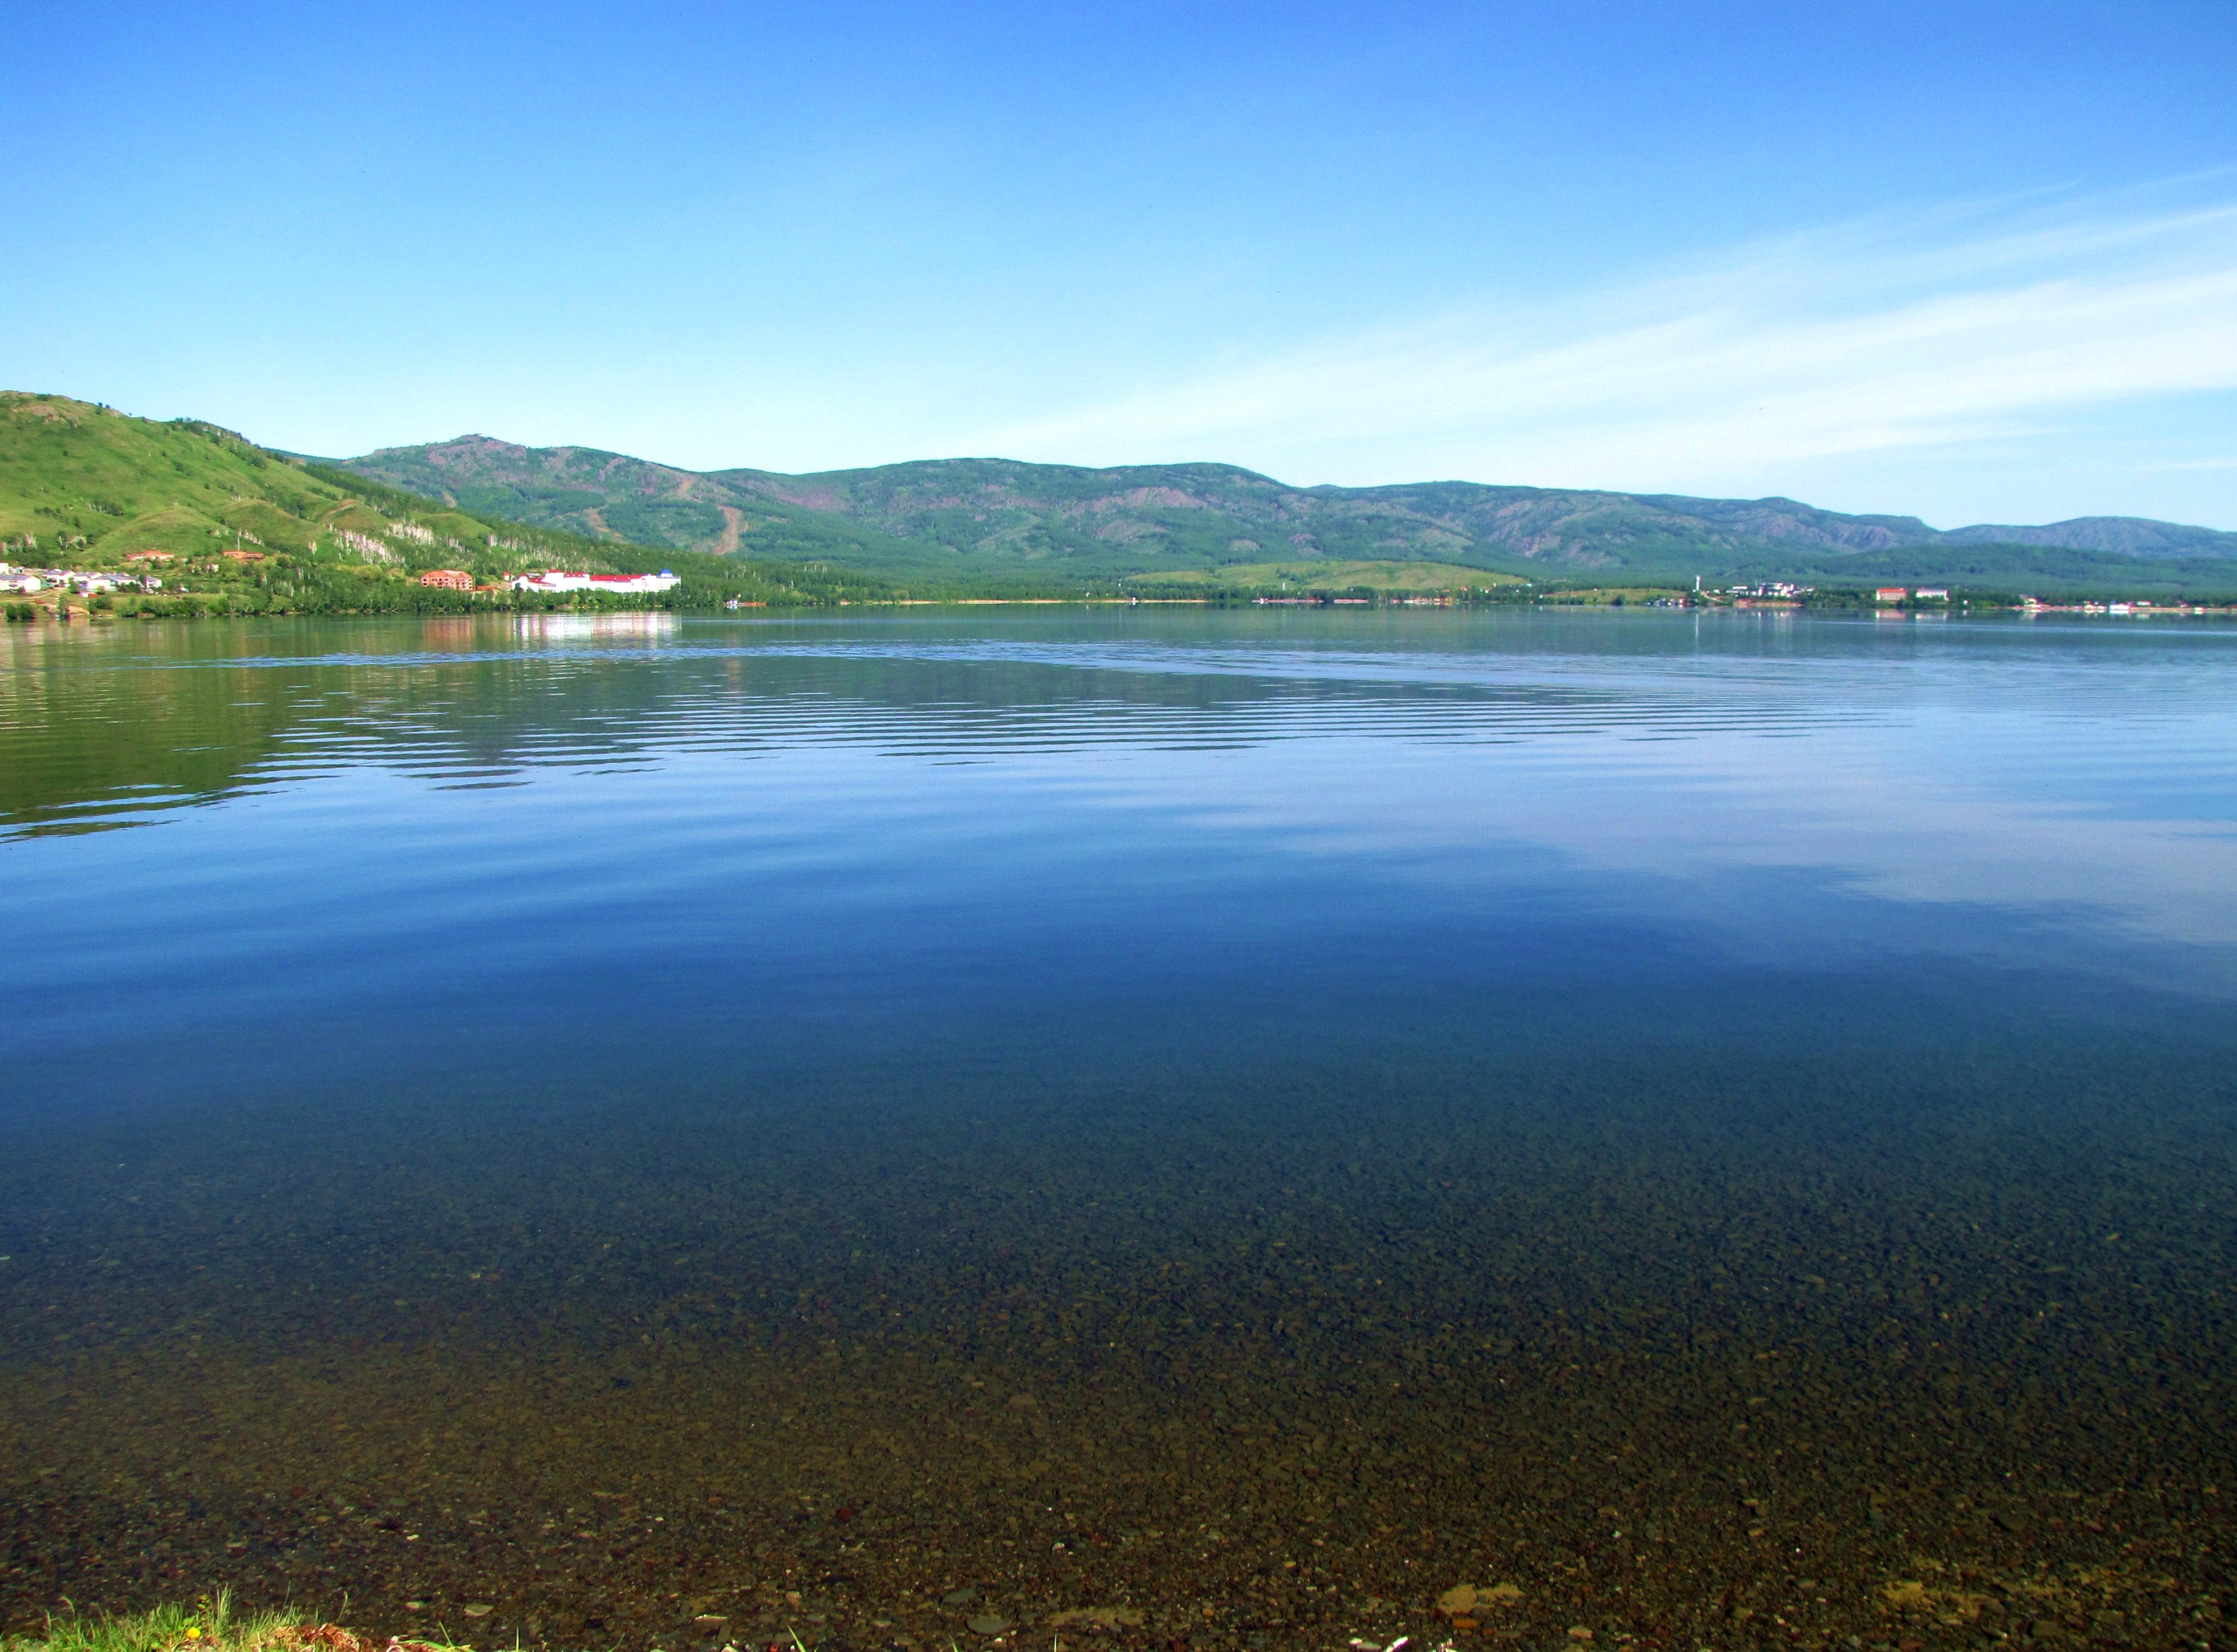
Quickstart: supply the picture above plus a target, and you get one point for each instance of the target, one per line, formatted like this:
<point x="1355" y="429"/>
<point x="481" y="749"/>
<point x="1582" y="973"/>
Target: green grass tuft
<point x="209" y="1625"/>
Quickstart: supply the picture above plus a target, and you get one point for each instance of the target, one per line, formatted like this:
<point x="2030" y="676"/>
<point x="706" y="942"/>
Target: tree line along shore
<point x="411" y="570"/>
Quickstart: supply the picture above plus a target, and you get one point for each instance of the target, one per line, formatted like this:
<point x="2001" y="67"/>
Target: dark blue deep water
<point x="633" y="1131"/>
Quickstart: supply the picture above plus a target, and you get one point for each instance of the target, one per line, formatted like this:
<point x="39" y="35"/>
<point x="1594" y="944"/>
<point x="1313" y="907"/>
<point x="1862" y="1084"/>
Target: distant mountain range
<point x="961" y="519"/>
<point x="77" y="477"/>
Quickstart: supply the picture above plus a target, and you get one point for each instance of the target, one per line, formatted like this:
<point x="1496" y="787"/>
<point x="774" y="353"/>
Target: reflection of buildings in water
<point x="602" y="627"/>
<point x="456" y="630"/>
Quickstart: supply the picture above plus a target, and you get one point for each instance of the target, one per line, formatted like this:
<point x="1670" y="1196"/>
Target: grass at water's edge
<point x="210" y="1625"/>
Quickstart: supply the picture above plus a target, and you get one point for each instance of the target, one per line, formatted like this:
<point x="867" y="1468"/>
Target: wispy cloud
<point x="1899" y="333"/>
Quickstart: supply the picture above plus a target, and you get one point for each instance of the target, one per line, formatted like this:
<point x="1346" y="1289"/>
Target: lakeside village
<point x="1930" y="598"/>
<point x="54" y="586"/>
<point x="91" y="583"/>
<point x="1892" y="601"/>
<point x="1887" y="601"/>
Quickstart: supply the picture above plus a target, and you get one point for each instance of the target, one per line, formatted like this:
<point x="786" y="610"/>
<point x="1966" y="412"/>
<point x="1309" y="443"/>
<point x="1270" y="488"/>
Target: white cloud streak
<point x="1884" y="337"/>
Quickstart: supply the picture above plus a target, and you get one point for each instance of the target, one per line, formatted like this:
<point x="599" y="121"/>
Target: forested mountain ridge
<point x="1003" y="517"/>
<point x="609" y="496"/>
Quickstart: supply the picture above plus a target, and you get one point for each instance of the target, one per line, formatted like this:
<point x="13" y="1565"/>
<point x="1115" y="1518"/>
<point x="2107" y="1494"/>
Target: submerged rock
<point x="1097" y="1617"/>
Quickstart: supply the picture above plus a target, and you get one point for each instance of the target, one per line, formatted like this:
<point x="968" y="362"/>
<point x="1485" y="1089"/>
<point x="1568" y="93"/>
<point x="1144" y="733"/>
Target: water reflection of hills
<point x="103" y="728"/>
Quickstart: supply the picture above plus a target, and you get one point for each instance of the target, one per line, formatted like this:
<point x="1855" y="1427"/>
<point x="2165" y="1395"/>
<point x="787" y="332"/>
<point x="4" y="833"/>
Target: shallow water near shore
<point x="655" y="1131"/>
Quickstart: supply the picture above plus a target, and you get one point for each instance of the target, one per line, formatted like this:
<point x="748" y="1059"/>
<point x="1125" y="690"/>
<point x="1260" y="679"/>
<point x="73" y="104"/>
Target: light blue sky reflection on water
<point x="437" y="850"/>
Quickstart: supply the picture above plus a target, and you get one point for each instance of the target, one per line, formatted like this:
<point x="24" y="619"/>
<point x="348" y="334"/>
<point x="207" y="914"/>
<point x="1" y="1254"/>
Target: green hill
<point x="76" y="478"/>
<point x="85" y="487"/>
<point x="973" y="521"/>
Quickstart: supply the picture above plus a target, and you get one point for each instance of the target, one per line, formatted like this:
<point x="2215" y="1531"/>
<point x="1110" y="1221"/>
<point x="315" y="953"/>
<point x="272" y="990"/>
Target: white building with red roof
<point x="621" y="584"/>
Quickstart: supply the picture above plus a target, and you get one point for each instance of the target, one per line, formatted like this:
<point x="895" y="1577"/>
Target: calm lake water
<point x="633" y="1131"/>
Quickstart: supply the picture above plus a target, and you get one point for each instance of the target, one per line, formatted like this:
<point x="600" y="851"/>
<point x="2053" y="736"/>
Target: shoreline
<point x="48" y="617"/>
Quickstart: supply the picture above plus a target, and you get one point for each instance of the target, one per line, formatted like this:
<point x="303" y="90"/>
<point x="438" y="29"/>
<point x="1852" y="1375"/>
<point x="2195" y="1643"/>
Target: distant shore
<point x="57" y="609"/>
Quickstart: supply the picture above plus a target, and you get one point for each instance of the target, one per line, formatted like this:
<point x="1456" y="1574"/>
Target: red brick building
<point x="448" y="579"/>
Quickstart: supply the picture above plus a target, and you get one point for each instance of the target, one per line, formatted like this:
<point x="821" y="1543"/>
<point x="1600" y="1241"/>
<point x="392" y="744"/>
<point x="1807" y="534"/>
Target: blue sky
<point x="1976" y="261"/>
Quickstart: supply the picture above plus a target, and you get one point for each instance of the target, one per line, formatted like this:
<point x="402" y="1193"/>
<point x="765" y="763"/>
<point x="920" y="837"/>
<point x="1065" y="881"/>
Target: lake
<point x="1710" y="1128"/>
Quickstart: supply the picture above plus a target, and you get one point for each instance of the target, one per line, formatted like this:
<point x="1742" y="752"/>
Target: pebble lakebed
<point x="1670" y="1401"/>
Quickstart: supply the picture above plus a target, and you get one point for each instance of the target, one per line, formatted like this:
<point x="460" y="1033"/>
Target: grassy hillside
<point x="85" y="487"/>
<point x="969" y="522"/>
<point x="74" y="477"/>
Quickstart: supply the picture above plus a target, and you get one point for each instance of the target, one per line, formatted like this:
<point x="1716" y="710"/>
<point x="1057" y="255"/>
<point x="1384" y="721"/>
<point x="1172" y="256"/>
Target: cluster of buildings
<point x="1785" y="590"/>
<point x="618" y="583"/>
<point x="27" y="580"/>
<point x="554" y="580"/>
